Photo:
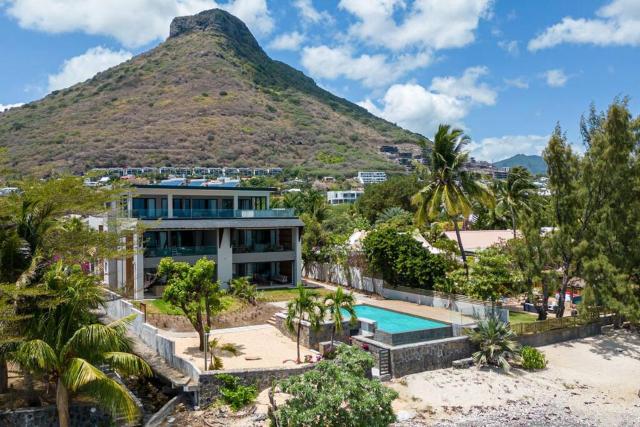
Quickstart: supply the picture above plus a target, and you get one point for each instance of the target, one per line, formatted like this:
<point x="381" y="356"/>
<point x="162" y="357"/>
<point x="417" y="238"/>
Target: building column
<point x="235" y="202"/>
<point x="129" y="205"/>
<point x="225" y="257"/>
<point x="268" y="201"/>
<point x="170" y="205"/>
<point x="138" y="268"/>
<point x="297" y="264"/>
<point x="111" y="273"/>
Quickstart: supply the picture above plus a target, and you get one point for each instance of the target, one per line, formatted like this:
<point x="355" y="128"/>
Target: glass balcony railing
<point x="180" y="251"/>
<point x="260" y="247"/>
<point x="212" y="213"/>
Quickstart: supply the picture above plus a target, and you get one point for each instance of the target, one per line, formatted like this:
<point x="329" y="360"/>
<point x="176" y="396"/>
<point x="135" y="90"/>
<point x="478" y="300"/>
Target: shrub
<point x="235" y="394"/>
<point x="496" y="342"/>
<point x="533" y="359"/>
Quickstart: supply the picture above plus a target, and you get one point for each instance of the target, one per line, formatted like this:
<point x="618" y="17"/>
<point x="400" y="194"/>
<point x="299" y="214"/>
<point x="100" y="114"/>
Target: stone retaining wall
<point x="262" y="378"/>
<point x="47" y="416"/>
<point x="401" y="338"/>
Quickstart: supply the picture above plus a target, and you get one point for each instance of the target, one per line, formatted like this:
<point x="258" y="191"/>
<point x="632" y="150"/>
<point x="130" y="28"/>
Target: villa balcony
<point x="180" y="251"/>
<point x="211" y="213"/>
<point x="261" y="248"/>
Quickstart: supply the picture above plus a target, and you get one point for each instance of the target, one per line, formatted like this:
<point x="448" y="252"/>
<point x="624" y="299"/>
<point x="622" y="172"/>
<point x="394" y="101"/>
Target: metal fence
<point x="553" y="323"/>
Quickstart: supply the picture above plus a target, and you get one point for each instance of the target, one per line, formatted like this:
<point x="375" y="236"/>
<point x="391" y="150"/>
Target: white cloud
<point x="555" y="77"/>
<point x="499" y="148"/>
<point x="5" y="107"/>
<point x="81" y="67"/>
<point x="617" y="24"/>
<point x="288" y="41"/>
<point x="518" y="82"/>
<point x="433" y="24"/>
<point x="132" y="22"/>
<point x="448" y="100"/>
<point x="309" y="13"/>
<point x="372" y="70"/>
<point x="509" y="46"/>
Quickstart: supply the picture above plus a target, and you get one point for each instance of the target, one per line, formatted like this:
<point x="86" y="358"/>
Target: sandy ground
<point x="594" y="381"/>
<point x="261" y="346"/>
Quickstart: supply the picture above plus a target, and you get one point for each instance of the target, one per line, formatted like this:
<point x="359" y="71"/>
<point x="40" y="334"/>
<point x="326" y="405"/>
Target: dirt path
<point x="594" y="381"/>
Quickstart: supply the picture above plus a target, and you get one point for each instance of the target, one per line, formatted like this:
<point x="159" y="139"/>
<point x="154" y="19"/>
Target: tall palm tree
<point x="305" y="306"/>
<point x="72" y="366"/>
<point x="515" y="195"/>
<point x="450" y="189"/>
<point x="335" y="303"/>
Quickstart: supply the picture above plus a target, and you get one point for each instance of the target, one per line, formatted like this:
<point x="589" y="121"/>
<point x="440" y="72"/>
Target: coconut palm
<point x="515" y="195"/>
<point x="243" y="289"/>
<point x="337" y="302"/>
<point x="216" y="347"/>
<point x="450" y="189"/>
<point x="496" y="342"/>
<point x="73" y="367"/>
<point x="304" y="307"/>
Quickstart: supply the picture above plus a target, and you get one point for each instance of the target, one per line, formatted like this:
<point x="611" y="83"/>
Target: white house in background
<point x="371" y="177"/>
<point x="232" y="225"/>
<point x="341" y="197"/>
<point x="477" y="240"/>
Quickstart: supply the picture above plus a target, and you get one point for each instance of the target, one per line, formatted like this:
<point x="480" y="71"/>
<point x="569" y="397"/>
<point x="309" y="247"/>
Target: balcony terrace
<point x="210" y="213"/>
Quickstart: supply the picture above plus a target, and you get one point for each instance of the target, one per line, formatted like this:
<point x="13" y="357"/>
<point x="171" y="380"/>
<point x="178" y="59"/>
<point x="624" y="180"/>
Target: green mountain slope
<point x="535" y="164"/>
<point x="208" y="95"/>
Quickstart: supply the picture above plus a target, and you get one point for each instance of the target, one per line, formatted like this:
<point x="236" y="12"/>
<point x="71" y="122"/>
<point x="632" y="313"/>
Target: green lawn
<point x="273" y="295"/>
<point x="516" y="317"/>
<point x="160" y="306"/>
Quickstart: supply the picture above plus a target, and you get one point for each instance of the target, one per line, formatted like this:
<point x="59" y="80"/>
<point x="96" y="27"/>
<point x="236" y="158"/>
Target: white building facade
<point x="341" y="197"/>
<point x="235" y="227"/>
<point x="371" y="177"/>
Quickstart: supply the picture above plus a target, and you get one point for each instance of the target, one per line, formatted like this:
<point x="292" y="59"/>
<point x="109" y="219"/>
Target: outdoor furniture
<point x="259" y="279"/>
<point x="281" y="278"/>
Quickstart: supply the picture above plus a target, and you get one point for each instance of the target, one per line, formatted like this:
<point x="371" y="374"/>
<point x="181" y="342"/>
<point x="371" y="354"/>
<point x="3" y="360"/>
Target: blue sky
<point x="505" y="71"/>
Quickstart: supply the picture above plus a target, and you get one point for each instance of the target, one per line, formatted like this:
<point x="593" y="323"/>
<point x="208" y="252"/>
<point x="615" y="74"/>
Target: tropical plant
<point x="395" y="216"/>
<point x="304" y="307"/>
<point x="72" y="366"/>
<point x="496" y="342"/>
<point x="394" y="192"/>
<point x="192" y="288"/>
<point x="493" y="275"/>
<point x="334" y="395"/>
<point x="533" y="359"/>
<point x="243" y="289"/>
<point x="216" y="348"/>
<point x="450" y="189"/>
<point x="235" y="394"/>
<point x="515" y="196"/>
<point x="336" y="302"/>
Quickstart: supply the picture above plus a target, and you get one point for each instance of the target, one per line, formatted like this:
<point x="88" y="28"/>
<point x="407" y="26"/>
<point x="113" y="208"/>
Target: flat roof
<point x="212" y="187"/>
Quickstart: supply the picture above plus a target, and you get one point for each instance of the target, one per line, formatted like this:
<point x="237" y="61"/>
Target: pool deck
<point x="434" y="313"/>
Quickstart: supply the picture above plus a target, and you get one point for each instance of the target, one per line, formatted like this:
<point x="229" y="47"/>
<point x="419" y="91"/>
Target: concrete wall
<point x="118" y="308"/>
<point x="352" y="277"/>
<point x="401" y="338"/>
<point x="47" y="416"/>
<point x="262" y="378"/>
<point x="560" y="335"/>
<point x="419" y="357"/>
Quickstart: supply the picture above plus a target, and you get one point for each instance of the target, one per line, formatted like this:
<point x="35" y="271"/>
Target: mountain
<point x="535" y="164"/>
<point x="207" y="96"/>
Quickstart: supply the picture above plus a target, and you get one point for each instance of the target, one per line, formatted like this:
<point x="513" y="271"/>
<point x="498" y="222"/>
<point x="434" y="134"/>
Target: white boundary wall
<point x="117" y="308"/>
<point x="352" y="278"/>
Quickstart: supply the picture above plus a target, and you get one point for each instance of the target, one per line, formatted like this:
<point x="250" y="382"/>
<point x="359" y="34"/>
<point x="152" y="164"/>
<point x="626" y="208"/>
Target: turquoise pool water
<point x="394" y="322"/>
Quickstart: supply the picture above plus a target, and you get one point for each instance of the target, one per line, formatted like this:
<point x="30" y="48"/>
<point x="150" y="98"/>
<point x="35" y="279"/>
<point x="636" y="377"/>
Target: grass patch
<point x="516" y="317"/>
<point x="160" y="306"/>
<point x="273" y="295"/>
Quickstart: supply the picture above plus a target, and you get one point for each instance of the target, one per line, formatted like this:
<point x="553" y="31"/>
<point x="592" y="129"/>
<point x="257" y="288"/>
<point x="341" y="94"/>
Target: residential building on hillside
<point x="232" y="225"/>
<point x="371" y="177"/>
<point x="341" y="197"/>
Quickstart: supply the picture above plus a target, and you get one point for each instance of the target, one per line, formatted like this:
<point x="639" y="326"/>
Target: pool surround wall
<point x="409" y="337"/>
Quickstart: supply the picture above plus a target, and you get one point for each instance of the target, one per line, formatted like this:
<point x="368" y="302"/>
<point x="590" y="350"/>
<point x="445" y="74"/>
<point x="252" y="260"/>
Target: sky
<point x="505" y="71"/>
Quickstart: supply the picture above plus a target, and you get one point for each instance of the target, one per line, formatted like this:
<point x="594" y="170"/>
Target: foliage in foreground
<point x="533" y="359"/>
<point x="337" y="393"/>
<point x="497" y="344"/>
<point x="235" y="394"/>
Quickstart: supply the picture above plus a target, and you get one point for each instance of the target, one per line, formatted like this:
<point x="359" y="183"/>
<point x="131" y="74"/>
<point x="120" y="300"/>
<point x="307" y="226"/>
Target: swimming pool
<point x="394" y="322"/>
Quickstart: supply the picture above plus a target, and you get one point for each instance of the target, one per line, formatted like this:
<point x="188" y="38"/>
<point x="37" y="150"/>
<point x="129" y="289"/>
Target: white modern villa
<point x="232" y="225"/>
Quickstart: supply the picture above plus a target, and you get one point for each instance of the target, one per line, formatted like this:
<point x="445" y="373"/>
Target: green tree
<point x="72" y="366"/>
<point x="515" y="196"/>
<point x="192" y="288"/>
<point x="394" y="192"/>
<point x="450" y="189"/>
<point x="395" y="216"/>
<point x="304" y="307"/>
<point x="336" y="394"/>
<point x="243" y="289"/>
<point x="492" y="275"/>
<point x="336" y="302"/>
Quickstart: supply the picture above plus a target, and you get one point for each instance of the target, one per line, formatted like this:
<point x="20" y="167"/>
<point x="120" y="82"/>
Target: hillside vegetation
<point x="208" y="95"/>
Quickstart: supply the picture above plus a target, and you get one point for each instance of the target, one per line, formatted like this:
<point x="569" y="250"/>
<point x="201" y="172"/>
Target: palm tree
<point x="243" y="289"/>
<point x="335" y="303"/>
<point x="216" y="347"/>
<point x="496" y="342"/>
<point x="72" y="366"/>
<point x="450" y="188"/>
<point x="305" y="306"/>
<point x="515" y="195"/>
